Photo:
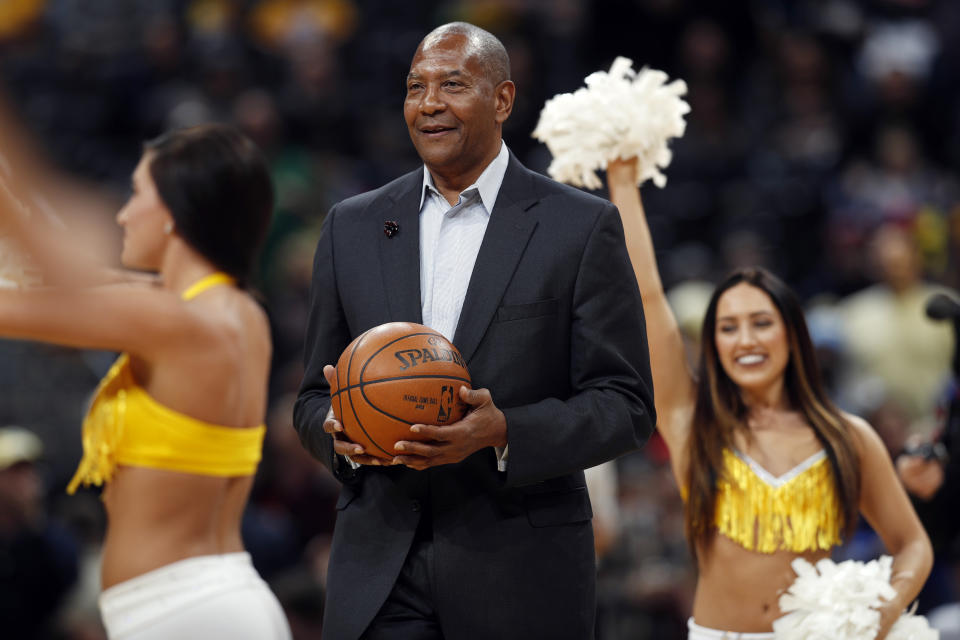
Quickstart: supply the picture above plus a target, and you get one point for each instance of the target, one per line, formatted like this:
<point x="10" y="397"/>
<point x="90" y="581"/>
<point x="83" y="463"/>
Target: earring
<point x="168" y="228"/>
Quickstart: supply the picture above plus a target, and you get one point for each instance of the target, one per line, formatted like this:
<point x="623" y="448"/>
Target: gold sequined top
<point x="798" y="511"/>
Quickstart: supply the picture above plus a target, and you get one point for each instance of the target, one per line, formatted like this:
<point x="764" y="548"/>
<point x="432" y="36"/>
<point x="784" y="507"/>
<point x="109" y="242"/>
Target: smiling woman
<point x="757" y="367"/>
<point x="751" y="337"/>
<point x="770" y="470"/>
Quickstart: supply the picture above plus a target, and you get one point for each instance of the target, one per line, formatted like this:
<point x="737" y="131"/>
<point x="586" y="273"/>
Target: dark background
<point x="813" y="123"/>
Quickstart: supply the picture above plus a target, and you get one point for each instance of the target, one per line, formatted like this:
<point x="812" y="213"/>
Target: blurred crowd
<point x="823" y="142"/>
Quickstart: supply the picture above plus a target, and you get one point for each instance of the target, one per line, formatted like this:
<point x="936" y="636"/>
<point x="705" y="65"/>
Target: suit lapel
<point x="503" y="244"/>
<point x="400" y="254"/>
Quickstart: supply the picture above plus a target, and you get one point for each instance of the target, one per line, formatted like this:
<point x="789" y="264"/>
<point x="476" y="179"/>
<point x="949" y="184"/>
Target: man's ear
<point x="504" y="94"/>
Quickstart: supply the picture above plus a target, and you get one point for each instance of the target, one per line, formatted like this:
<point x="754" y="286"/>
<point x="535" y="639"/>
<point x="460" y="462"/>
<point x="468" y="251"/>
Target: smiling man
<point x="484" y="531"/>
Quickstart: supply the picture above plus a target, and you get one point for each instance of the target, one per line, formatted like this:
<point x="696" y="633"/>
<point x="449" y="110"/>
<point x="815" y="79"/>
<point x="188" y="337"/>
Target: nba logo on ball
<point x="393" y="376"/>
<point x="446" y="404"/>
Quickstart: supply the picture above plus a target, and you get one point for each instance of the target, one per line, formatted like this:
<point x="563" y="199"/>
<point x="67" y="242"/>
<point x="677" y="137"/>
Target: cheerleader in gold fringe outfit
<point x="770" y="468"/>
<point x="174" y="432"/>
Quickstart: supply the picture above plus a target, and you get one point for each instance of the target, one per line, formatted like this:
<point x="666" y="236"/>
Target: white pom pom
<point x="911" y="627"/>
<point x="619" y="114"/>
<point x="839" y="602"/>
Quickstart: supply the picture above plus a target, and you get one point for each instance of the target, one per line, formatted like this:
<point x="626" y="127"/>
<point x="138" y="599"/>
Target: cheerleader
<point x="769" y="469"/>
<point x="175" y="429"/>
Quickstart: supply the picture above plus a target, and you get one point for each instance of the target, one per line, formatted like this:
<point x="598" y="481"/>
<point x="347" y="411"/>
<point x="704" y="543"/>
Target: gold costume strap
<point x="207" y="282"/>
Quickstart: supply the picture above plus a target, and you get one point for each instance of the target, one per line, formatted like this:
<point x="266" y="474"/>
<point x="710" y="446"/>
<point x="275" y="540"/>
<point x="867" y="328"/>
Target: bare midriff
<point x="739" y="590"/>
<point x="158" y="517"/>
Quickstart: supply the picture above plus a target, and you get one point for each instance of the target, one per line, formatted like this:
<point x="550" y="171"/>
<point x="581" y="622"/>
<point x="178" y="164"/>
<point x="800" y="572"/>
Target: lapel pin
<point x="390" y="228"/>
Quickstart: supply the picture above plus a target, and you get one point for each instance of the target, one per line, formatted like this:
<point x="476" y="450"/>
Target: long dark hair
<point x="720" y="411"/>
<point x="216" y="184"/>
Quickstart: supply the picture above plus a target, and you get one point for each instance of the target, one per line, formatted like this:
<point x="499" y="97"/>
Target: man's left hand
<point x="484" y="426"/>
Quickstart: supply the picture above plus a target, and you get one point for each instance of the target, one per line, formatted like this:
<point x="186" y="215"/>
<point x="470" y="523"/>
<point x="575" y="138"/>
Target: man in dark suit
<point x="485" y="532"/>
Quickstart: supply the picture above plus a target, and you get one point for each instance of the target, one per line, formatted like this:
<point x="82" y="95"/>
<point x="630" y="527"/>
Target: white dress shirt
<point x="450" y="239"/>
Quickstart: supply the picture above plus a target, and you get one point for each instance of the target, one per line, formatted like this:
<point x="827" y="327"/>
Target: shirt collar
<point x="488" y="184"/>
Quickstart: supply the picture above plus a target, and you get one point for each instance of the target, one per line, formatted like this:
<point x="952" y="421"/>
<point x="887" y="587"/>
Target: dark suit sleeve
<point x="327" y="336"/>
<point x="610" y="411"/>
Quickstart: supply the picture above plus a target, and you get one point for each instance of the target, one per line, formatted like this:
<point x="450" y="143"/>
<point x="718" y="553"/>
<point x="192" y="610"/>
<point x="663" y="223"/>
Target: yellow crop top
<point x="125" y="425"/>
<point x="798" y="511"/>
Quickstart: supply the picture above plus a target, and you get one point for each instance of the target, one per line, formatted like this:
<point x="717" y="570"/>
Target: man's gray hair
<point x="480" y="43"/>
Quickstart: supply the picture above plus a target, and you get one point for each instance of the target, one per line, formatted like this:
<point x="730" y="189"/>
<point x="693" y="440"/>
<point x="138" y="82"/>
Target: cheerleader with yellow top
<point x="175" y="429"/>
<point x="772" y="472"/>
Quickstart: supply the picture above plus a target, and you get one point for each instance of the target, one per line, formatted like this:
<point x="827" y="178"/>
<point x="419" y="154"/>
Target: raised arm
<point x="143" y="320"/>
<point x="59" y="221"/>
<point x="68" y="249"/>
<point x="885" y="505"/>
<point x="673" y="382"/>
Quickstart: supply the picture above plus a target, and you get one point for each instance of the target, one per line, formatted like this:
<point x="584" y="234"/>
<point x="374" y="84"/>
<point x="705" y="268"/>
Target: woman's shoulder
<point x="857" y="425"/>
<point x="224" y="329"/>
<point x="865" y="436"/>
<point x="243" y="321"/>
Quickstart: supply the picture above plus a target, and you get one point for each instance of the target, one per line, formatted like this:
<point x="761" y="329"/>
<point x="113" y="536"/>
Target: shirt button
<point x="415" y="506"/>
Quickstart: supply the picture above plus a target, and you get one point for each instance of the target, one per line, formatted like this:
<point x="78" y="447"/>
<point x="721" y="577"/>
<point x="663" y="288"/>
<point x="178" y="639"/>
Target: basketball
<point x="393" y="376"/>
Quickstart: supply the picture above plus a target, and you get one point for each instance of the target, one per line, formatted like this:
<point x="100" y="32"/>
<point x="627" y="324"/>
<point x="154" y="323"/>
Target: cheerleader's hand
<point x="890" y="612"/>
<point x="622" y="172"/>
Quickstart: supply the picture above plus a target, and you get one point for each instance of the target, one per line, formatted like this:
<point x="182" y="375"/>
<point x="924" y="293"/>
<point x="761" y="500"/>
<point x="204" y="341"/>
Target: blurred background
<point x="823" y="143"/>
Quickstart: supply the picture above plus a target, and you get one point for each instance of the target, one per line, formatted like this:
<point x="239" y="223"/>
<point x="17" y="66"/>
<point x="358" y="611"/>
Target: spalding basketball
<point x="393" y="376"/>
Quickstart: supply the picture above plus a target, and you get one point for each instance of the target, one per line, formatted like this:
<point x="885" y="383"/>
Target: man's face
<point x="451" y="109"/>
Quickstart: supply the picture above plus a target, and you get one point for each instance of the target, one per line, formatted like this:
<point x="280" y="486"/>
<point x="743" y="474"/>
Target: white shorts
<point x="704" y="633"/>
<point x="208" y="597"/>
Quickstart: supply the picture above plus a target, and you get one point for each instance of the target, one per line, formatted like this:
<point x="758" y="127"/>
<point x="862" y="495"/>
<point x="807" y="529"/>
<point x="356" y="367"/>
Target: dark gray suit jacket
<point x="553" y="326"/>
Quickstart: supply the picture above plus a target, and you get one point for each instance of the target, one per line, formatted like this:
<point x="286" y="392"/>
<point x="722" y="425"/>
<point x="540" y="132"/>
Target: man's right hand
<point x="341" y="445"/>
